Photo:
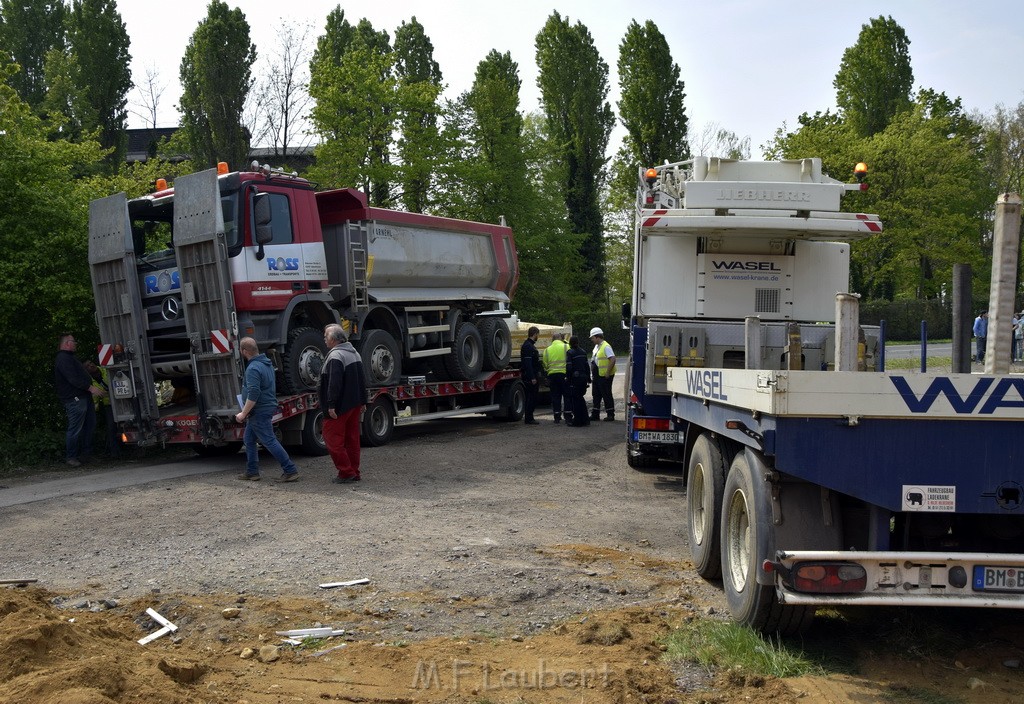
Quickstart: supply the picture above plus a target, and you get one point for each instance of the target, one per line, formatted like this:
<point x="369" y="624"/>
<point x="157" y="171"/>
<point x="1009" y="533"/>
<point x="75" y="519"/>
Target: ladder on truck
<point x="120" y="316"/>
<point x="201" y="252"/>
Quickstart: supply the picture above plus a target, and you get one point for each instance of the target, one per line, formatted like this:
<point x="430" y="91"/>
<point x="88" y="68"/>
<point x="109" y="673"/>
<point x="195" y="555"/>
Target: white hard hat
<point x="596" y="331"/>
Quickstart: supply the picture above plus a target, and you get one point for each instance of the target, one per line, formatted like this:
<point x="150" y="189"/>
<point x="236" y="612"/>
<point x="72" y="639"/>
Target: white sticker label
<point x="929" y="498"/>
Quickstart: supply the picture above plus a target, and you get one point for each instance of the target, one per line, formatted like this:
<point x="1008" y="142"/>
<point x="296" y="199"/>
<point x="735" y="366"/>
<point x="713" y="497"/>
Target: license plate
<point x="656" y="436"/>
<point x="122" y="388"/>
<point x="998" y="579"/>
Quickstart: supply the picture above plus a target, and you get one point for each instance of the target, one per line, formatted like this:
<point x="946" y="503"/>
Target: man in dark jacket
<point x="76" y="390"/>
<point x="342" y="396"/>
<point x="577" y="376"/>
<point x="260" y="406"/>
<point x="529" y="359"/>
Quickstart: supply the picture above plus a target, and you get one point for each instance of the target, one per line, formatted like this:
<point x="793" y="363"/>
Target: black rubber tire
<point x="225" y="450"/>
<point x="382" y="362"/>
<point x="378" y="422"/>
<point x="313" y="443"/>
<point x="640" y="461"/>
<point x="511" y="396"/>
<point x="705" y="481"/>
<point x="497" y="343"/>
<point x="302" y="361"/>
<point x="746" y="515"/>
<point x="467" y="357"/>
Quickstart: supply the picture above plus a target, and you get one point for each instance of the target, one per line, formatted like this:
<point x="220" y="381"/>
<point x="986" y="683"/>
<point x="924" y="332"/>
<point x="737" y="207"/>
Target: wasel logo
<point x="987" y="396"/>
<point x="748" y="266"/>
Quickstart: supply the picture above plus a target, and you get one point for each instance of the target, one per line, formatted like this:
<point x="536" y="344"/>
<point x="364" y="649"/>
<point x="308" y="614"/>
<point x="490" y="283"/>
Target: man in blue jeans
<point x="76" y="390"/>
<point x="260" y="395"/>
<point x="981" y="335"/>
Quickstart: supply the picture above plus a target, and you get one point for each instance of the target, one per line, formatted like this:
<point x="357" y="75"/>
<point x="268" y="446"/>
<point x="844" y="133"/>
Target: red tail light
<point x="829" y="577"/>
<point x="651" y="423"/>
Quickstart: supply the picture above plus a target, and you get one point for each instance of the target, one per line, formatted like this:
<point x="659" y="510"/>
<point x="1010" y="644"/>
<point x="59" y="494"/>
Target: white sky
<point x="748" y="66"/>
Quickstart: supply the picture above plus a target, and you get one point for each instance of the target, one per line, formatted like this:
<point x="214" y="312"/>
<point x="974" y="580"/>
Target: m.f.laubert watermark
<point x="484" y="676"/>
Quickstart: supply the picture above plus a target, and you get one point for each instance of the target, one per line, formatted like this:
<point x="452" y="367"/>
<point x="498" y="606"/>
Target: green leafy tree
<point x="355" y="92"/>
<point x="43" y="234"/>
<point x="875" y="79"/>
<point x="420" y="80"/>
<point x="216" y="75"/>
<point x="99" y="41"/>
<point x="1004" y="134"/>
<point x="65" y="108"/>
<point x="573" y="81"/>
<point x="29" y="29"/>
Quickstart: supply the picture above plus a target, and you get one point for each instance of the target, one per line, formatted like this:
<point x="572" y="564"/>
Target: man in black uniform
<point x="76" y="390"/>
<point x="529" y="358"/>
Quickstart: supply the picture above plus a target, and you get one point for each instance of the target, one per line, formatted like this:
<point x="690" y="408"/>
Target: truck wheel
<point x="467" y="358"/>
<point x="313" y="443"/>
<point x="378" y="422"/>
<point x="511" y="396"/>
<point x="746" y="536"/>
<point x="381" y="361"/>
<point x="302" y="360"/>
<point x="637" y="459"/>
<point x="705" y="478"/>
<point x="497" y="343"/>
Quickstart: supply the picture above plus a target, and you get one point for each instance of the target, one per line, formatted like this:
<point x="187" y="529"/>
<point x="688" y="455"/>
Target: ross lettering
<point x="162" y="281"/>
<point x="1007" y="393"/>
<point x="706" y="384"/>
<point x="283" y="264"/>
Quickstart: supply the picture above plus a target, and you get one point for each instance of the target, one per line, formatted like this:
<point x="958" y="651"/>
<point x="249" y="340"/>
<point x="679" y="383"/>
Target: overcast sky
<point x="748" y="66"/>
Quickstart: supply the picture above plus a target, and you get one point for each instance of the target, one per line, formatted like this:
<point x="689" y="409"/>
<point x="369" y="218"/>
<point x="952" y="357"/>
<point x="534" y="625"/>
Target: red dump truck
<point x="180" y="275"/>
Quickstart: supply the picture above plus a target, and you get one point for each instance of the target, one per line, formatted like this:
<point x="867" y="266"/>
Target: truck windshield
<point x="153" y="226"/>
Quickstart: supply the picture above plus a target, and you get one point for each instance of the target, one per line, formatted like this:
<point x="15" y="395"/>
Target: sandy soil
<point x="506" y="563"/>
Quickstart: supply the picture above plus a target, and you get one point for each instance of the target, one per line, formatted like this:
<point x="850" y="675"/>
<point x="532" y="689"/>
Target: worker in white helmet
<point x="602" y="367"/>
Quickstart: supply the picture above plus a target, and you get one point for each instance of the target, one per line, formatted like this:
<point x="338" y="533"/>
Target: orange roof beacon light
<point x="651" y="175"/>
<point x="161" y="184"/>
<point x="860" y="171"/>
<point x="222" y="168"/>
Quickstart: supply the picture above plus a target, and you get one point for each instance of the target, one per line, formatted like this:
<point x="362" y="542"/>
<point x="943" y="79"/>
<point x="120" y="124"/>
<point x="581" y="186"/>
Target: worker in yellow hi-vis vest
<point x="553" y="361"/>
<point x="602" y="367"/>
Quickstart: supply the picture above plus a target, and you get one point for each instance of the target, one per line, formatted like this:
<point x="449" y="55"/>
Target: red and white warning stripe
<point x="220" y="340"/>
<point x="105" y="353"/>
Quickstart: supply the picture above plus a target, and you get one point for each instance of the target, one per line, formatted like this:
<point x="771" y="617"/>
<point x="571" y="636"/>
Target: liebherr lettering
<point x="987" y="395"/>
<point x="706" y="384"/>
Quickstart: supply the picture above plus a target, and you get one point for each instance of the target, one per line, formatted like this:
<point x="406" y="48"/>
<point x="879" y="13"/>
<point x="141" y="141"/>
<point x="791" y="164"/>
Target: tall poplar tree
<point x="99" y="41"/>
<point x="875" y="79"/>
<point x="573" y="81"/>
<point x="216" y="75"/>
<point x="29" y="29"/>
<point x="419" y="77"/>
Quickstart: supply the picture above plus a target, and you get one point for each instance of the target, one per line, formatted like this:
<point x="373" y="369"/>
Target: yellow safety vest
<point x="604" y="364"/>
<point x="554" y="357"/>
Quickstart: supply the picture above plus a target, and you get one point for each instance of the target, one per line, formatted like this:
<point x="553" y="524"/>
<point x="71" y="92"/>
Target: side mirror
<point x="261" y="218"/>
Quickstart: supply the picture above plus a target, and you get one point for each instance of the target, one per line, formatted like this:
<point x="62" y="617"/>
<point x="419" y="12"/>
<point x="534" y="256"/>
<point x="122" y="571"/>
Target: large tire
<point x="497" y="343"/>
<point x="467" y="357"/>
<point x="313" y="442"/>
<point x="378" y="422"/>
<point x="382" y="362"/>
<point x="302" y="361"/>
<point x="511" y="396"/>
<point x="745" y="533"/>
<point x="705" y="481"/>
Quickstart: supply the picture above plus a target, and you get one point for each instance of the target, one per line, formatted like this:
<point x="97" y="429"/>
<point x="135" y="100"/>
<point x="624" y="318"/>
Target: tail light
<point x="828" y="577"/>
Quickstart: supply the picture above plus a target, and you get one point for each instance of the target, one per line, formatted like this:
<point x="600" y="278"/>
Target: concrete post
<point x="963" y="318"/>
<point x="847" y="331"/>
<point x="1005" y="244"/>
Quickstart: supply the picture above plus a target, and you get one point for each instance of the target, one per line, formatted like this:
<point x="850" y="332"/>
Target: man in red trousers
<point x="342" y="396"/>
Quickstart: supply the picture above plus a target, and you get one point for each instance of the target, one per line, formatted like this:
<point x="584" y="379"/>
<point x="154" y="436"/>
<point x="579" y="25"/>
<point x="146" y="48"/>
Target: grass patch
<point x="724" y="646"/>
<point x="915" y="363"/>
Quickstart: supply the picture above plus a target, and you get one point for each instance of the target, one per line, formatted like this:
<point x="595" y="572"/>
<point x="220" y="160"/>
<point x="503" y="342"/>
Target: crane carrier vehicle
<point x="180" y="275"/>
<point x="813" y="478"/>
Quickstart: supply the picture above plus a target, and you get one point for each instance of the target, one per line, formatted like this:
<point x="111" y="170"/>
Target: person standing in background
<point x="76" y="390"/>
<point x="260" y="407"/>
<point x="554" y="365"/>
<point x="980" y="335"/>
<point x="602" y="368"/>
<point x="577" y="377"/>
<point x="530" y="359"/>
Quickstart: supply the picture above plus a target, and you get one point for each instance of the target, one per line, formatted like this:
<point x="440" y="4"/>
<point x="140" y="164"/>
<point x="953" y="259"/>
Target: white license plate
<point x="656" y="436"/>
<point x="998" y="579"/>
